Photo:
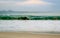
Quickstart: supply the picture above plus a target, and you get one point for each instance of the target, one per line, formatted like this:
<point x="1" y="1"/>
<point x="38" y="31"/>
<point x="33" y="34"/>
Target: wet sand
<point x="26" y="35"/>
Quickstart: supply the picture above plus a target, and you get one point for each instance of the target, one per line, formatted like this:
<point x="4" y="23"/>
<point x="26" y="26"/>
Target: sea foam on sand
<point x="30" y="25"/>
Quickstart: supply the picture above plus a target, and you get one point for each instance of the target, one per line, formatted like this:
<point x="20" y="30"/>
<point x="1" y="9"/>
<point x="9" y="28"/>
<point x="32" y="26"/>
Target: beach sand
<point x="26" y="35"/>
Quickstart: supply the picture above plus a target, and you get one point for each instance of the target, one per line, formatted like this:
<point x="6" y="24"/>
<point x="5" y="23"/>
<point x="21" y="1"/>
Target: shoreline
<point x="26" y="35"/>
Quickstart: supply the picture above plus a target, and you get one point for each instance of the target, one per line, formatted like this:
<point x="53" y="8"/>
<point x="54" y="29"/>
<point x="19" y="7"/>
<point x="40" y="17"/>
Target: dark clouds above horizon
<point x="30" y="5"/>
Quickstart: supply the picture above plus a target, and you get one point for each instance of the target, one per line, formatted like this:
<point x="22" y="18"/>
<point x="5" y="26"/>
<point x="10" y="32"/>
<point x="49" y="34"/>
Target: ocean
<point x="30" y="25"/>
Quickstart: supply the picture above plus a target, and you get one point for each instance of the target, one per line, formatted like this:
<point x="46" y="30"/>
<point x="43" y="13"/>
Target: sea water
<point x="30" y="25"/>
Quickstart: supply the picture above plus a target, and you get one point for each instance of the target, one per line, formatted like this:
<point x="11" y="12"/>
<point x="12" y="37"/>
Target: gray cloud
<point x="13" y="0"/>
<point x="11" y="5"/>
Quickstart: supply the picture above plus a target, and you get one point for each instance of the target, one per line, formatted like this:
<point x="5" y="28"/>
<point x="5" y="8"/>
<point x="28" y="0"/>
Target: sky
<point x="30" y="5"/>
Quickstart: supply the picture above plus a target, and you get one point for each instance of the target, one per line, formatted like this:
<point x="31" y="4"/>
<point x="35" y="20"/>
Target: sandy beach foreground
<point x="26" y="35"/>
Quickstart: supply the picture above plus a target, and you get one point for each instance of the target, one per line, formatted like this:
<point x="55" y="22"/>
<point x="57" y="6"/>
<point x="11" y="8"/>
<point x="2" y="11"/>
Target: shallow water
<point x="30" y="25"/>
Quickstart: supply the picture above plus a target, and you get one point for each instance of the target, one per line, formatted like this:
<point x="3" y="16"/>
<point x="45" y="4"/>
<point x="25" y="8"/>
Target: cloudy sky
<point x="30" y="5"/>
